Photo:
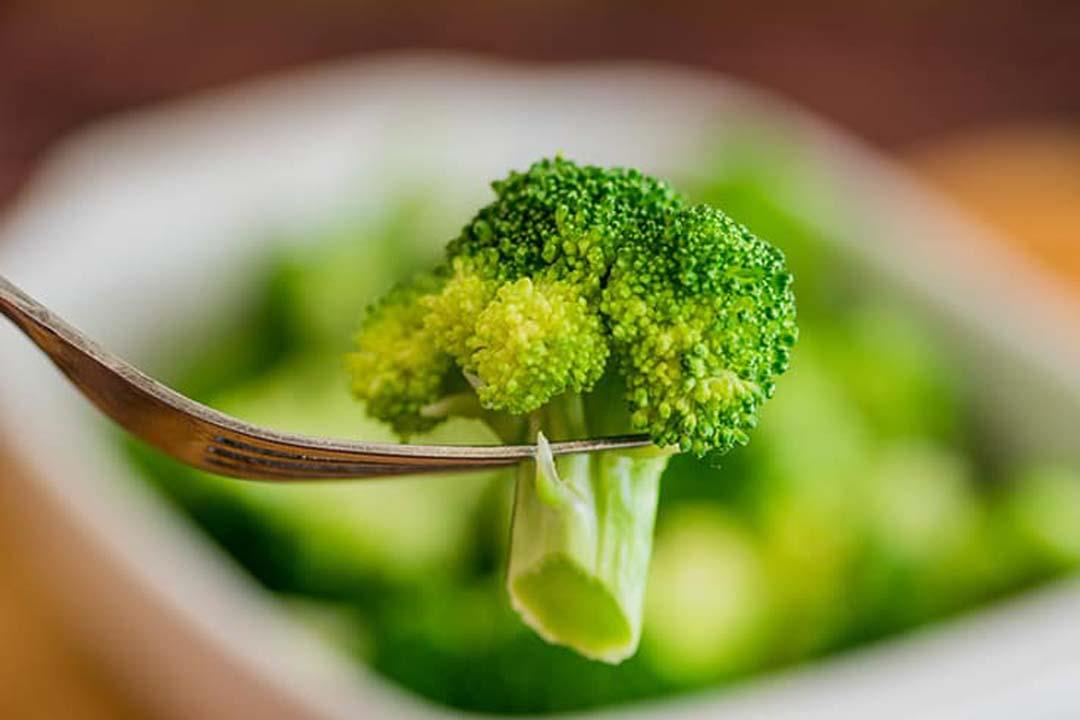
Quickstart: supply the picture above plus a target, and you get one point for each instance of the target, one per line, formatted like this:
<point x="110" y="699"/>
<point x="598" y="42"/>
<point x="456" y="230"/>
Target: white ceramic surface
<point x="136" y="231"/>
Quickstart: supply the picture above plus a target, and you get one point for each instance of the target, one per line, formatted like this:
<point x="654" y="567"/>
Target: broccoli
<point x="585" y="301"/>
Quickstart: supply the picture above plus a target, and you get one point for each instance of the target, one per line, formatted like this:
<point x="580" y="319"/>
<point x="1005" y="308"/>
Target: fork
<point x="206" y="439"/>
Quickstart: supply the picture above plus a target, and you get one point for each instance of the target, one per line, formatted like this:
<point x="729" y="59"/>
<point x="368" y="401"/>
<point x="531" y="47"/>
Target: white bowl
<point x="135" y="231"/>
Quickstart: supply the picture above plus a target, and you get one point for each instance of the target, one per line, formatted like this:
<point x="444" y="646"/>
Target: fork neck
<point x="9" y="297"/>
<point x="21" y="309"/>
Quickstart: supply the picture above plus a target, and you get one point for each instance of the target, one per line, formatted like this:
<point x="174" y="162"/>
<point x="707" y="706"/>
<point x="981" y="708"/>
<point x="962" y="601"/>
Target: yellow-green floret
<point x="397" y="367"/>
<point x="452" y="311"/>
<point x="534" y="341"/>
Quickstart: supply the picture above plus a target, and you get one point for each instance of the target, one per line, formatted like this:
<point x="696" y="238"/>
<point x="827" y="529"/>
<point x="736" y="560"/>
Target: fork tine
<point x="347" y="455"/>
<point x="311" y="466"/>
<point x="244" y="468"/>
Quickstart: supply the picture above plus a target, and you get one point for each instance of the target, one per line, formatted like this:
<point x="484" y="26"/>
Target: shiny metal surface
<point x="207" y="439"/>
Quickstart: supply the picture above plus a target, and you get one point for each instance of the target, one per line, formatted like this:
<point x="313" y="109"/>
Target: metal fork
<point x="209" y="440"/>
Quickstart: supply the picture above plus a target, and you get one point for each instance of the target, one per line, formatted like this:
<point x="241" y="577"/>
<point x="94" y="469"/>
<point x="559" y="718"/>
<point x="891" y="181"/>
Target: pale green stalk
<point x="581" y="541"/>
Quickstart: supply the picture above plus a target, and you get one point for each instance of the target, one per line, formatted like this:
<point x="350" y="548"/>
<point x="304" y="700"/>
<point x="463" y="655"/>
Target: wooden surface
<point x="895" y="73"/>
<point x="45" y="672"/>
<point x="1025" y="180"/>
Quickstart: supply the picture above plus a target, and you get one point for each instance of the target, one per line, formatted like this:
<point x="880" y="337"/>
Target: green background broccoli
<point x="785" y="544"/>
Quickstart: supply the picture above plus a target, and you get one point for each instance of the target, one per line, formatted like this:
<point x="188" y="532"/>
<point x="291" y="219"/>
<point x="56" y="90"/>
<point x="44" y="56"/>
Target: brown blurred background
<point x="982" y="96"/>
<point x="897" y="73"/>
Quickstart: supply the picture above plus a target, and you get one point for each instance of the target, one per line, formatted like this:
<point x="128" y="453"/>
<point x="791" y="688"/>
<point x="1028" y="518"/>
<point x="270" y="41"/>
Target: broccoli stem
<point x="581" y="540"/>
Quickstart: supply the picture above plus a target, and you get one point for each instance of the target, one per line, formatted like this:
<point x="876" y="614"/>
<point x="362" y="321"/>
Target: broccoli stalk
<point x="585" y="301"/>
<point x="581" y="538"/>
<point x="579" y="561"/>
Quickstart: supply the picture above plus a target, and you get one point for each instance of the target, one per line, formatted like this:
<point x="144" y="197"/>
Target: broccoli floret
<point x="586" y="301"/>
<point x="536" y="340"/>
<point x="398" y="367"/>
<point x="702" y="319"/>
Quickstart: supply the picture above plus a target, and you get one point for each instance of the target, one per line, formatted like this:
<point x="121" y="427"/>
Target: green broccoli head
<point x="701" y="318"/>
<point x="576" y="271"/>
<point x="565" y="220"/>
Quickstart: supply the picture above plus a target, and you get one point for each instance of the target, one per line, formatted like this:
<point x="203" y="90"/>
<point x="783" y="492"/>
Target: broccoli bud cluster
<point x="576" y="271"/>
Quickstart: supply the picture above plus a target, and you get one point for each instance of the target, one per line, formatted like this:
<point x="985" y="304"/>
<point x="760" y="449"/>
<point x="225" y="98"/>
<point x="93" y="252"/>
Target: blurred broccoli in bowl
<point x="865" y="505"/>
